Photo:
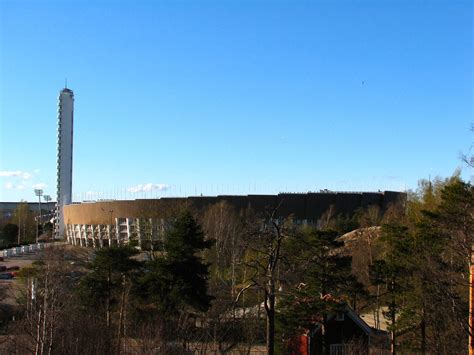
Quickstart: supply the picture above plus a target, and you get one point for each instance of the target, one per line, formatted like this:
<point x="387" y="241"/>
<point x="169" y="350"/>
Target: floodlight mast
<point x="39" y="193"/>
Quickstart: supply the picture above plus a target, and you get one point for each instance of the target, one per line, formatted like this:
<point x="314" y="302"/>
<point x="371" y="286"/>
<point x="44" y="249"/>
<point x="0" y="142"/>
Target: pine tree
<point x="393" y="271"/>
<point x="111" y="269"/>
<point x="178" y="281"/>
<point x="451" y="227"/>
<point x="424" y="268"/>
<point x="322" y="282"/>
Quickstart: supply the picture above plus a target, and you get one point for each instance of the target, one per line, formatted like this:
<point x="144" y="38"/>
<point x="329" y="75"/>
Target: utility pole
<point x="39" y="193"/>
<point x="47" y="198"/>
<point x="19" y="223"/>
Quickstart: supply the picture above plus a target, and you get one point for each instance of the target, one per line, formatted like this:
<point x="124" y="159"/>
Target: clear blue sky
<point x="235" y="97"/>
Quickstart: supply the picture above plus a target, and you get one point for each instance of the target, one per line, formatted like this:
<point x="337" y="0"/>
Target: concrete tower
<point x="64" y="173"/>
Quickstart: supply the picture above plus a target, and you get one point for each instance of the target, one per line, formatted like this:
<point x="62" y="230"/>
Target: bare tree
<point x="44" y="297"/>
<point x="224" y="226"/>
<point x="469" y="160"/>
<point x="264" y="240"/>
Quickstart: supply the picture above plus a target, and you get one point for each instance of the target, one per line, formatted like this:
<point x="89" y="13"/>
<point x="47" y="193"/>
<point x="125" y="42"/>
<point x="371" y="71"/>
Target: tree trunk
<point x="108" y="300"/>
<point x="45" y="313"/>
<point x="270" y="309"/>
<point x="377" y="315"/>
<point x="324" y="340"/>
<point x="423" y="332"/>
<point x="393" y="350"/>
<point x="38" y="332"/>
<point x="122" y="306"/>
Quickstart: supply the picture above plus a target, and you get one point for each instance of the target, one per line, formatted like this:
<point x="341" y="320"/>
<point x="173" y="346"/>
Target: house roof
<point x="359" y="321"/>
<point x="354" y="317"/>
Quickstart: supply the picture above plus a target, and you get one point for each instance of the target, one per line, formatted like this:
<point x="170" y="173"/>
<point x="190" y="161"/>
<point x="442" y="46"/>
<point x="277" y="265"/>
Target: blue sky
<point x="178" y="98"/>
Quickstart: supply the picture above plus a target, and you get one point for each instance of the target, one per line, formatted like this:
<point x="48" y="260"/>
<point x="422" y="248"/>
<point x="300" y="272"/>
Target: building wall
<point x="304" y="207"/>
<point x="345" y="334"/>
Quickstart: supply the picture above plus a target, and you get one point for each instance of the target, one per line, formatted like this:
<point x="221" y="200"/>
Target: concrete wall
<point x="307" y="207"/>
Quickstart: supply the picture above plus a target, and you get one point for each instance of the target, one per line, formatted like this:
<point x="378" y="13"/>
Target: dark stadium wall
<point x="307" y="207"/>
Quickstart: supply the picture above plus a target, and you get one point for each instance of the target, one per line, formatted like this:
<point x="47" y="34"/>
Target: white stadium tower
<point x="64" y="163"/>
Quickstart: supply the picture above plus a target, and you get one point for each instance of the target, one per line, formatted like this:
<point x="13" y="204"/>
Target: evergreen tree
<point x="322" y="281"/>
<point x="393" y="271"/>
<point x="112" y="270"/>
<point x="178" y="281"/>
<point x="9" y="233"/>
<point x="424" y="268"/>
<point x="175" y="285"/>
<point x="450" y="229"/>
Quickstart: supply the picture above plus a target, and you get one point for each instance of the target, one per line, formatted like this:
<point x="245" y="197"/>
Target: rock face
<point x="356" y="235"/>
<point x="362" y="245"/>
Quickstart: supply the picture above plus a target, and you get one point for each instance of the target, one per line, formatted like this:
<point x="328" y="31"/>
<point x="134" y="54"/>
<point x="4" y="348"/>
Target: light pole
<point x="39" y="193"/>
<point x="47" y="198"/>
<point x="19" y="223"/>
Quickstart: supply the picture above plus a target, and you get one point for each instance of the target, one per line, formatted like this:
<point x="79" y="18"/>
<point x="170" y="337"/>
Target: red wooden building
<point x="345" y="333"/>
